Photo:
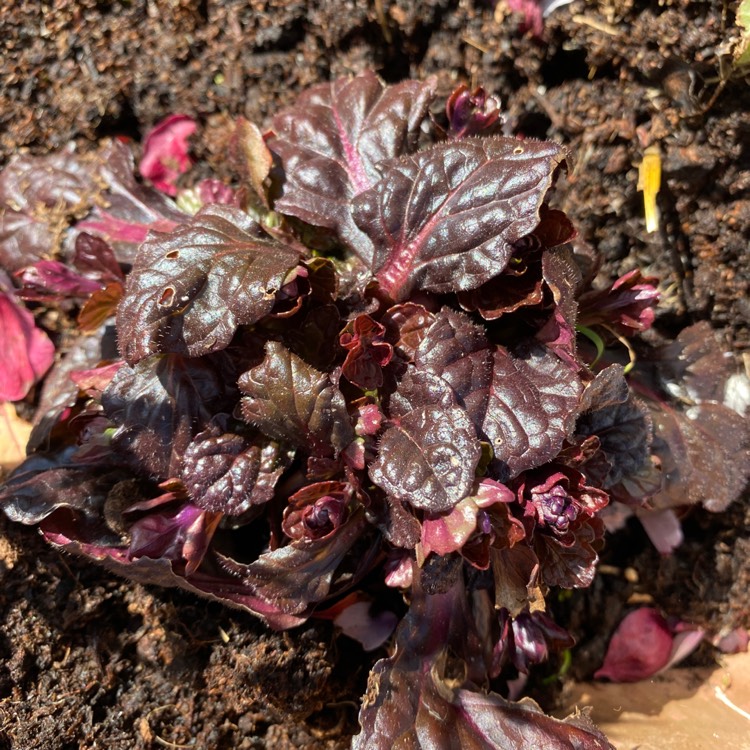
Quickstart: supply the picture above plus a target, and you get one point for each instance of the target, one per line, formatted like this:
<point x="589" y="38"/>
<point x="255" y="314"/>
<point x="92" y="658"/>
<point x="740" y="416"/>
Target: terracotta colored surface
<point x="676" y="710"/>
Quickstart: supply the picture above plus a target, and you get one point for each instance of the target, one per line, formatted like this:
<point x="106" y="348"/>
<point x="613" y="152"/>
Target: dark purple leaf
<point x="331" y="141"/>
<point x="189" y="290"/>
<point x="165" y="152"/>
<point x="457" y="350"/>
<point x="289" y="400"/>
<point x="294" y="577"/>
<point x="446" y="219"/>
<point x="45" y="483"/>
<point x="704" y="455"/>
<point x="472" y="112"/>
<point x="624" y="429"/>
<point x="95" y="258"/>
<point x="216" y="585"/>
<point x="27" y="352"/>
<point x="415" y="700"/>
<point x="38" y="194"/>
<point x="181" y="535"/>
<point x="317" y="510"/>
<point x="528" y="638"/>
<point x="570" y="562"/>
<point x="524" y="401"/>
<point x="406" y="326"/>
<point x="367" y="352"/>
<point x="533" y="399"/>
<point x="159" y="406"/>
<point x="695" y="367"/>
<point x="224" y="472"/>
<point x="429" y="459"/>
<point x="507" y="292"/>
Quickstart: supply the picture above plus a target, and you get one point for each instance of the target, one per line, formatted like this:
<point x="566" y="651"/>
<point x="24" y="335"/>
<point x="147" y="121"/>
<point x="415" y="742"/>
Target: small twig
<point x="474" y="43"/>
<point x="594" y="24"/>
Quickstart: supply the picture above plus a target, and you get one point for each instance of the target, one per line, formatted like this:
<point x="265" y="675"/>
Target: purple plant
<point x="357" y="362"/>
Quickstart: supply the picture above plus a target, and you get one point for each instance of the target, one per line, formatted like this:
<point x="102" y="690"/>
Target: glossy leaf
<point x="191" y="288"/>
<point x="446" y="219"/>
<point x="331" y="140"/>
<point x="429" y="459"/>
<point x="224" y="472"/>
<point x="159" y="405"/>
<point x="289" y="400"/>
<point x="524" y="401"/>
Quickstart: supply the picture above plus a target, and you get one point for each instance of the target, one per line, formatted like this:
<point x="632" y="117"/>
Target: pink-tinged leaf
<point x="131" y="209"/>
<point x="532" y="14"/>
<point x="640" y="647"/>
<point x="627" y="306"/>
<point x="52" y="280"/>
<point x="94" y="381"/>
<point x="734" y="642"/>
<point x="27" y="352"/>
<point x="663" y="528"/>
<point x="446" y="219"/>
<point x="125" y="231"/>
<point x="165" y="152"/>
<point x="331" y="140"/>
<point x="683" y="644"/>
<point x="448" y="533"/>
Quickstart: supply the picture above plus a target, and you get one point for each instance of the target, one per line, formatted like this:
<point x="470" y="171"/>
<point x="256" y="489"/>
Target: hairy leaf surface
<point x="228" y="473"/>
<point x="190" y="289"/>
<point x="159" y="405"/>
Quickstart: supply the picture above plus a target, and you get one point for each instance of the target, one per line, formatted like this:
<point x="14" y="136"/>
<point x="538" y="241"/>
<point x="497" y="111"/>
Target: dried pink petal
<point x="27" y="352"/>
<point x="165" y="152"/>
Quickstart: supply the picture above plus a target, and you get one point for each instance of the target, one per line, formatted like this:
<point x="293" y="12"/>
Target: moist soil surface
<point x="91" y="661"/>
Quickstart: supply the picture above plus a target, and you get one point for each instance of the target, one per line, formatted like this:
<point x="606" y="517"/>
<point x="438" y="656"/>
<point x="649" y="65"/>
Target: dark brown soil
<point x="88" y="661"/>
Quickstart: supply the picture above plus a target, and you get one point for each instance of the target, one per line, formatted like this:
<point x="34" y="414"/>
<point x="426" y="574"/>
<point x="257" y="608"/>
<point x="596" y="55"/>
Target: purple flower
<point x="472" y="112"/>
<point x="316" y="511"/>
<point x="627" y="306"/>
<point x="527" y="640"/>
